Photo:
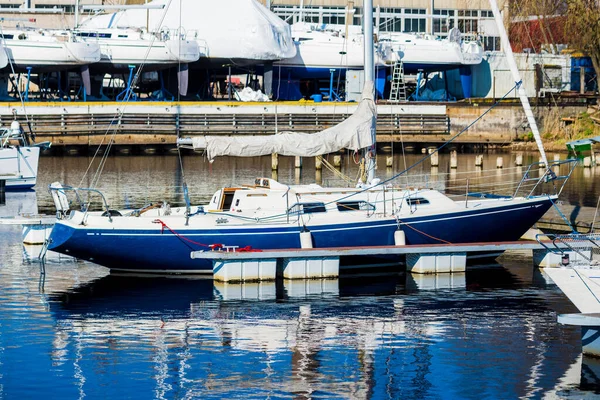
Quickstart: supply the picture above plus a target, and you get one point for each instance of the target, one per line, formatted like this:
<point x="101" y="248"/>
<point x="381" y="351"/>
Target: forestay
<point x="354" y="133"/>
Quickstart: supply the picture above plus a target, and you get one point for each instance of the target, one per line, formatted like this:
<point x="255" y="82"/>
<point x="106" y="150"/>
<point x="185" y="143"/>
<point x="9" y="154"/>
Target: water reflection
<point x="365" y="336"/>
<point x="136" y="180"/>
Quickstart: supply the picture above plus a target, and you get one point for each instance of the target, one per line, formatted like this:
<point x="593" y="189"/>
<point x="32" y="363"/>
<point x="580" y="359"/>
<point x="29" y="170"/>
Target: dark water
<point x="79" y="332"/>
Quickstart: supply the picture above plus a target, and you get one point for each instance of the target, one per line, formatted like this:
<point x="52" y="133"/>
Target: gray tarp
<point x="354" y="133"/>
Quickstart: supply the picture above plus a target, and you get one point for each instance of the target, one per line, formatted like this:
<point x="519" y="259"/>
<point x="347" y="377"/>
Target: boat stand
<point x="128" y="93"/>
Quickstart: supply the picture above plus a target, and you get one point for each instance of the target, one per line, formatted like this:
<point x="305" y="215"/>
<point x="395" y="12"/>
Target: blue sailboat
<point x="271" y="215"/>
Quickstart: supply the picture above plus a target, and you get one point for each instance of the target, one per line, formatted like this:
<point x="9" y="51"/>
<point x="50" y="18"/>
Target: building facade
<point x="435" y="17"/>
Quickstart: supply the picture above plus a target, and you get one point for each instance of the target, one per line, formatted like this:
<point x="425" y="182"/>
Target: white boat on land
<point x="45" y="50"/>
<point x="319" y="50"/>
<point x="19" y="158"/>
<point x="122" y="47"/>
<point x="427" y="53"/>
<point x="237" y="32"/>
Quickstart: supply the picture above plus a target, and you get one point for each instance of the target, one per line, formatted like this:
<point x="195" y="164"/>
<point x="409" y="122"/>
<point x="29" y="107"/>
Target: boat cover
<point x="231" y="29"/>
<point x="356" y="132"/>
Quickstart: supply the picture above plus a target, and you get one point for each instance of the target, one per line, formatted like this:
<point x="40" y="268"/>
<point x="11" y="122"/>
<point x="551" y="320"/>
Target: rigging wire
<point x="120" y="112"/>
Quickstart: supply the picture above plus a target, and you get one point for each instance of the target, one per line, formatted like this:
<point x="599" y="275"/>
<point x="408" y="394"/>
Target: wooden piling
<point x="319" y="163"/>
<point x="499" y="162"/>
<point x="274" y="162"/>
<point x="519" y="160"/>
<point x="389" y="161"/>
<point x="479" y="160"/>
<point x="453" y="159"/>
<point x="337" y="161"/>
<point x="298" y="162"/>
<point x="434" y="158"/>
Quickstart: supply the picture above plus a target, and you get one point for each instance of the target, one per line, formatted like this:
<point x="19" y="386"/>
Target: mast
<point x="369" y="153"/>
<point x="76" y="25"/>
<point x="517" y="77"/>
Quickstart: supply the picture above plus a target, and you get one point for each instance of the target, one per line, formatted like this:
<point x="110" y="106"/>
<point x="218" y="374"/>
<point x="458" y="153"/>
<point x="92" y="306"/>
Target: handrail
<point x="546" y="177"/>
<point x="587" y="241"/>
<point x="82" y="204"/>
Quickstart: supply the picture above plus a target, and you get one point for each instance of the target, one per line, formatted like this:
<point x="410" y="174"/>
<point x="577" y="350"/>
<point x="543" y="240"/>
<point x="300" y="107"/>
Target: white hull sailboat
<point x="250" y="34"/>
<point x="120" y="48"/>
<point x="47" y="50"/>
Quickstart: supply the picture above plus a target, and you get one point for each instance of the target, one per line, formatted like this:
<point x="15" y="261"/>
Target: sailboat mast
<point x="369" y="77"/>
<point x="512" y="64"/>
<point x="368" y="38"/>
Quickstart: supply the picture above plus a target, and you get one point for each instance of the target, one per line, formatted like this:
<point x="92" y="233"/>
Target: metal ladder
<point x="398" y="89"/>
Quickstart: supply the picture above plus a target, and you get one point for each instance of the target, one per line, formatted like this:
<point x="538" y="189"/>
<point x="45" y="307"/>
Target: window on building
<point x="390" y="20"/>
<point x="65" y="7"/>
<point x="9" y="5"/>
<point x="443" y="25"/>
<point x="491" y="43"/>
<point x="467" y="21"/>
<point x="487" y="14"/>
<point x="414" y="24"/>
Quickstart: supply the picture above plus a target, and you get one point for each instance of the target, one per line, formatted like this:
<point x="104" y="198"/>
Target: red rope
<point x="162" y="230"/>
<point x="214" y="246"/>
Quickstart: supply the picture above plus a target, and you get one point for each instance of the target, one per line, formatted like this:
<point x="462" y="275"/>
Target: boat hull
<point x="162" y="250"/>
<point x="19" y="166"/>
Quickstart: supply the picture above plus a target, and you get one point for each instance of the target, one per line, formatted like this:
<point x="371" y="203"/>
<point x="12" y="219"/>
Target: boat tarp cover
<point x="228" y="29"/>
<point x="356" y="132"/>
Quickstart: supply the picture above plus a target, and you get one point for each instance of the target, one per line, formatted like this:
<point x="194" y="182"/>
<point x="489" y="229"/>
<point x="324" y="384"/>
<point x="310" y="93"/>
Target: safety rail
<point x="585" y="245"/>
<point x="547" y="176"/>
<point x="63" y="205"/>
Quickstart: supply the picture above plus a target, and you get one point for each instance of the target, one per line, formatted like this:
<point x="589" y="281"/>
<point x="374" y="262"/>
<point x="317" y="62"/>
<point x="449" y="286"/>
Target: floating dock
<point x="231" y="265"/>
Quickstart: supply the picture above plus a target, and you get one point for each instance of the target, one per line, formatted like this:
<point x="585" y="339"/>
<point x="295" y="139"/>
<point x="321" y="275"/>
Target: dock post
<point x="2" y="192"/>
<point x="435" y="161"/>
<point x="587" y="162"/>
<point x="499" y="162"/>
<point x="389" y="161"/>
<point x="557" y="157"/>
<point x="274" y="162"/>
<point x="453" y="159"/>
<point x="298" y="162"/>
<point x="541" y="162"/>
<point x="479" y="160"/>
<point x="337" y="161"/>
<point x="519" y="160"/>
<point x="319" y="163"/>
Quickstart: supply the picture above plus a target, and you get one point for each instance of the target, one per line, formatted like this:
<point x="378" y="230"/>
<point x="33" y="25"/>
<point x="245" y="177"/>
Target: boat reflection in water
<point x="356" y="337"/>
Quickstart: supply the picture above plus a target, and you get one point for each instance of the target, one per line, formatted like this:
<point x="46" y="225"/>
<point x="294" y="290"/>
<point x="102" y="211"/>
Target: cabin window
<point x="308" y="208"/>
<point x="94" y="34"/>
<point x="237" y="202"/>
<point x="227" y="200"/>
<point x="413" y="201"/>
<point x="355" y="206"/>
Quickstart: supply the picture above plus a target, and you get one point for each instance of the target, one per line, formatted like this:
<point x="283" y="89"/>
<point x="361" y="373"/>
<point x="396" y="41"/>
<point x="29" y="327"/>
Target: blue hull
<point x="153" y="251"/>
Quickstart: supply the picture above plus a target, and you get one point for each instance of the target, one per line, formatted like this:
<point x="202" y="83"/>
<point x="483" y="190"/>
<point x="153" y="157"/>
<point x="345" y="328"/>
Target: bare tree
<point x="583" y="28"/>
